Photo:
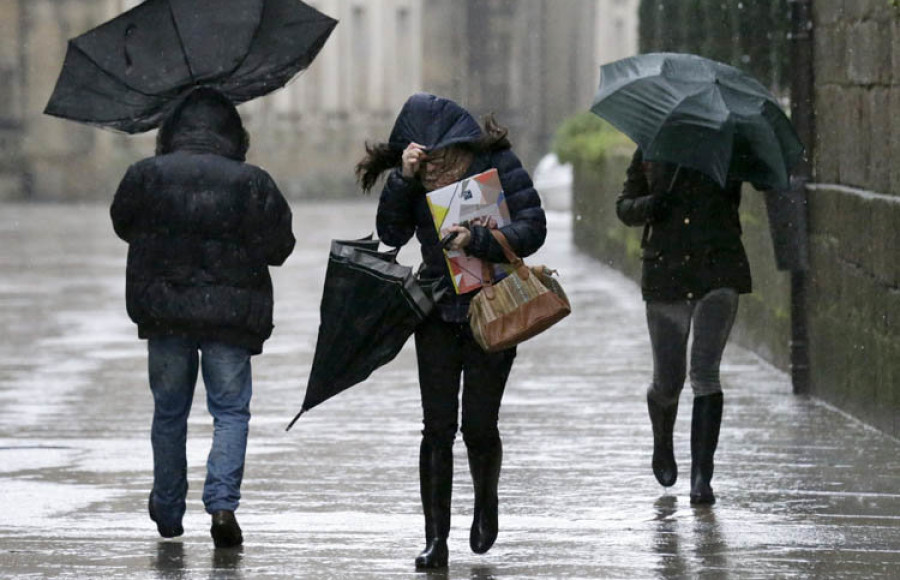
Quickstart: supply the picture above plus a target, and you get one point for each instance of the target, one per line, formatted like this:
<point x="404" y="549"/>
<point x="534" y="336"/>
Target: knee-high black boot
<point x="485" y="467"/>
<point x="705" y="423"/>
<point x="662" y="417"/>
<point x="435" y="486"/>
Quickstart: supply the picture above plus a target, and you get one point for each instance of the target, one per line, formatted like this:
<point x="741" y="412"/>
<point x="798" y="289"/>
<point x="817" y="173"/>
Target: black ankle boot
<point x="705" y="423"/>
<point x="164" y="530"/>
<point x="663" y="420"/>
<point x="225" y="531"/>
<point x="435" y="486"/>
<point x="485" y="468"/>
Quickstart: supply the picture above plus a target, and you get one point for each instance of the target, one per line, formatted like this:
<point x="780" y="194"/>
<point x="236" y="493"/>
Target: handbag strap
<point x="516" y="262"/>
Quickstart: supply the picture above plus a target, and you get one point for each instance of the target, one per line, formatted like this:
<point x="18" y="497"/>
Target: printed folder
<point x="475" y="198"/>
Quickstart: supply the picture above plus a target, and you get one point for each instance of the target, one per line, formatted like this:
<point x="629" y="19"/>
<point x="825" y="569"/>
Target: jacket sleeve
<point x="395" y="220"/>
<point x="527" y="229"/>
<point x="273" y="233"/>
<point x="635" y="205"/>
<point x="125" y="207"/>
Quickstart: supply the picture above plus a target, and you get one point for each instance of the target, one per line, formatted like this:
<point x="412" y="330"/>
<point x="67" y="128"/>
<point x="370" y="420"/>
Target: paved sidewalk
<point x="804" y="491"/>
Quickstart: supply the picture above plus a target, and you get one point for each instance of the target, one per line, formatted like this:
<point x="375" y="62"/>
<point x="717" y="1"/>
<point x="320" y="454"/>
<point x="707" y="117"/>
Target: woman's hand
<point x="464" y="234"/>
<point x="413" y="157"/>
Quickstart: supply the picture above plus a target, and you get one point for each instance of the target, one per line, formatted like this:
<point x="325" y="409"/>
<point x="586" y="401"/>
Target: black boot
<point x="435" y="486"/>
<point x="225" y="531"/>
<point x="705" y="423"/>
<point x="164" y="530"/>
<point x="663" y="420"/>
<point x="485" y="467"/>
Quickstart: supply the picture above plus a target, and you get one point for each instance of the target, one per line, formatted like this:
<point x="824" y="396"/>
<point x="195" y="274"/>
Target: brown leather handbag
<point x="525" y="303"/>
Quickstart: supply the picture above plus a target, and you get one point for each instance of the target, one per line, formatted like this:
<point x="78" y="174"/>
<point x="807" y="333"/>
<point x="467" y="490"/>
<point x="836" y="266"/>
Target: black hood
<point x="433" y="122"/>
<point x="205" y="121"/>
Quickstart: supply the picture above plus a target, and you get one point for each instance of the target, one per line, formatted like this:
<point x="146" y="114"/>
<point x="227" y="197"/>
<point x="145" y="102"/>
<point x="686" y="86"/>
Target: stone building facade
<point x="531" y="62"/>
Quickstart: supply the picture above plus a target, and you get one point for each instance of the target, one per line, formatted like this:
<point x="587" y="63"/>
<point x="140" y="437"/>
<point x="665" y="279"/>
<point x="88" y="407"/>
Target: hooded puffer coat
<point x="435" y="122"/>
<point x="202" y="228"/>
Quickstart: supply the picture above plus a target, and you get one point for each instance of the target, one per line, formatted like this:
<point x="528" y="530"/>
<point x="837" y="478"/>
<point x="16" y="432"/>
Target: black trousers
<point x="446" y="353"/>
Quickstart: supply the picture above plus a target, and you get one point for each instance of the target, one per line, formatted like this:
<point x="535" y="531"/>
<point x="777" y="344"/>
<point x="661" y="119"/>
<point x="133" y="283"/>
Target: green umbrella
<point x="699" y="113"/>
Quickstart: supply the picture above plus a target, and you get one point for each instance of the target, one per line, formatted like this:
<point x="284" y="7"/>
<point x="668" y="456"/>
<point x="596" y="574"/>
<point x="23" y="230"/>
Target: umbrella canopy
<point x="699" y="113"/>
<point x="126" y="73"/>
<point x="370" y="307"/>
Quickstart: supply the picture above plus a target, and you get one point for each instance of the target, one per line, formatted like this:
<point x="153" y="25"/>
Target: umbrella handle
<point x="297" y="416"/>
<point x="674" y="178"/>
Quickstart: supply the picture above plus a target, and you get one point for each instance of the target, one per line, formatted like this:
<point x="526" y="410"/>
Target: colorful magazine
<point x="479" y="197"/>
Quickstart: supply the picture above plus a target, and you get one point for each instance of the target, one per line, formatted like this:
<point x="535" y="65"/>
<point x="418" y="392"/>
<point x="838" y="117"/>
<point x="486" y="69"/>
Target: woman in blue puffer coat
<point x="435" y="142"/>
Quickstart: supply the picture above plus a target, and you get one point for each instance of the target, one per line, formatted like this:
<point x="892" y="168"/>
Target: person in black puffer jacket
<point x="694" y="268"/>
<point x="202" y="228"/>
<point x="434" y="143"/>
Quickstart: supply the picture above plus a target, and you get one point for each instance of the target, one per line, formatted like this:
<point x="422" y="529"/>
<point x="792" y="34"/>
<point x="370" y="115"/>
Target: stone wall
<point x="854" y="292"/>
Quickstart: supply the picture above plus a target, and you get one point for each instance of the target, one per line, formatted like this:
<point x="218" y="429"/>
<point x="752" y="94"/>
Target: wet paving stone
<point x="803" y="490"/>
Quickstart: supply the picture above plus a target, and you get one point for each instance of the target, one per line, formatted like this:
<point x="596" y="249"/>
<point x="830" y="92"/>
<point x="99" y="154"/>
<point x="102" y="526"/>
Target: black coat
<point x="403" y="209"/>
<point x="202" y="229"/>
<point x="692" y="234"/>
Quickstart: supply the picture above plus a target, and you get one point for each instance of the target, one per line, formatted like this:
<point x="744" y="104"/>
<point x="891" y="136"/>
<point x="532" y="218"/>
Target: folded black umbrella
<point x="370" y="307"/>
<point x="126" y="73"/>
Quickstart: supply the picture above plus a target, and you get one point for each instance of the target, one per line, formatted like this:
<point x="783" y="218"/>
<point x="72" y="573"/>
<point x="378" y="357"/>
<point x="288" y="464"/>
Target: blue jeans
<point x="173" y="365"/>
<point x="712" y="317"/>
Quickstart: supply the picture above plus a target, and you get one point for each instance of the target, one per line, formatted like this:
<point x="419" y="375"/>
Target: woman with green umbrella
<point x="694" y="268"/>
<point x="702" y="127"/>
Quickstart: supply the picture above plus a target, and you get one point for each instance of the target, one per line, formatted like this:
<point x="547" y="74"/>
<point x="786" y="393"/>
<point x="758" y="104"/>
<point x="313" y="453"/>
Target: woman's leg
<point x="484" y="381"/>
<point x="669" y="324"/>
<point x="439" y="361"/>
<point x="713" y="319"/>
<point x="172" y="365"/>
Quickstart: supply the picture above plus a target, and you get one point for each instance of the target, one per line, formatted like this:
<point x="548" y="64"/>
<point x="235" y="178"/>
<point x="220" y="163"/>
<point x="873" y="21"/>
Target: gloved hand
<point x="661" y="206"/>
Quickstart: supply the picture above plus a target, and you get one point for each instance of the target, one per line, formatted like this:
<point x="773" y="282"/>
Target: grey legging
<point x="670" y="325"/>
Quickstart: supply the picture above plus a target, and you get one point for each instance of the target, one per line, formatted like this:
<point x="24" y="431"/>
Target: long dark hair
<point x="381" y="157"/>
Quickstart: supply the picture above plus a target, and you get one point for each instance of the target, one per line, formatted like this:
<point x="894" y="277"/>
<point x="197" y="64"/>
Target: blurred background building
<point x="531" y="62"/>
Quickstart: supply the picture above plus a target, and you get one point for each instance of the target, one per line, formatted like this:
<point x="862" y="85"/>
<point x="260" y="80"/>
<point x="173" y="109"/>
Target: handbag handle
<point x="517" y="263"/>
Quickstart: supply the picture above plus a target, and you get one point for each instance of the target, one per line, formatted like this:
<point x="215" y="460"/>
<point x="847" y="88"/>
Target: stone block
<point x="829" y="11"/>
<point x="853" y="143"/>
<point x="831" y="54"/>
<point x="828" y="133"/>
<point x="895" y="51"/>
<point x="856" y="10"/>
<point x="893" y="120"/>
<point x="876" y="108"/>
<point x="884" y="240"/>
<point x="869" y="52"/>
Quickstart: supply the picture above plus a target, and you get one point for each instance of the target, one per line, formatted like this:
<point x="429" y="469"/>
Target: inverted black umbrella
<point x="370" y="307"/>
<point x="699" y="113"/>
<point x="126" y="73"/>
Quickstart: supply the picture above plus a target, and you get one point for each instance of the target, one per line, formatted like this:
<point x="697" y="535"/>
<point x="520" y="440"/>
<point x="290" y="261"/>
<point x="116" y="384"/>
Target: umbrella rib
<point x="181" y="43"/>
<point x="109" y="74"/>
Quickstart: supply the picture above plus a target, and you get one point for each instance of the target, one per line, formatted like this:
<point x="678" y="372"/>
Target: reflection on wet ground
<point x="803" y="490"/>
